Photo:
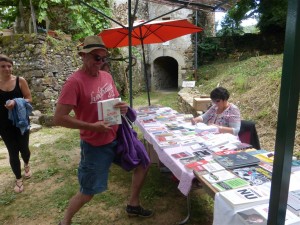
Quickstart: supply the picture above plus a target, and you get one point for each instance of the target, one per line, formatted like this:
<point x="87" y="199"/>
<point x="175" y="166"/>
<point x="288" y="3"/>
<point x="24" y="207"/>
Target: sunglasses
<point x="98" y="58"/>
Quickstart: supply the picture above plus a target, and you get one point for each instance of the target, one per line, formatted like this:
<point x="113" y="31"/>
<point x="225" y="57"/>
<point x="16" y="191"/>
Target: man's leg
<point x="134" y="208"/>
<point x="138" y="178"/>
<point x="76" y="202"/>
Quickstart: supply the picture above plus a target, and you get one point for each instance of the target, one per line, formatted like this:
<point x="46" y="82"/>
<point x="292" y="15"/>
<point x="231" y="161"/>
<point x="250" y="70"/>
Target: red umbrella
<point x="148" y="33"/>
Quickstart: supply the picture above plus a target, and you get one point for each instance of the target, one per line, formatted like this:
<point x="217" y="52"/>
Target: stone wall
<point x="44" y="62"/>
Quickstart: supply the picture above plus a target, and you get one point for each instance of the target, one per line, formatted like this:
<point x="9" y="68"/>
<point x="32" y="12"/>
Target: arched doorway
<point x="165" y="73"/>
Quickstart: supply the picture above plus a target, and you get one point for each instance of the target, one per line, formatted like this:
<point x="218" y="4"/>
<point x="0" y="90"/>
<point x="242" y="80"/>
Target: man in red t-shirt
<point x="81" y="92"/>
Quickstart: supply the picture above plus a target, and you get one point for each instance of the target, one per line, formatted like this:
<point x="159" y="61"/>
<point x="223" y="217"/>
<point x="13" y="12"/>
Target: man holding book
<point x="81" y="92"/>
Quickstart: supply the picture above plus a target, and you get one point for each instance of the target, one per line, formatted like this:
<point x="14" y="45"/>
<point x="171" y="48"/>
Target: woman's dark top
<point x="4" y="96"/>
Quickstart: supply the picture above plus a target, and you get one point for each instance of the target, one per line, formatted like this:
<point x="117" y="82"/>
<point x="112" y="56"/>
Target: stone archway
<point x="165" y="73"/>
<point x="167" y="68"/>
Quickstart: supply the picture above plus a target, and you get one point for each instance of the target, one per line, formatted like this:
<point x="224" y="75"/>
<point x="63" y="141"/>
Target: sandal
<point x="19" y="186"/>
<point x="27" y="170"/>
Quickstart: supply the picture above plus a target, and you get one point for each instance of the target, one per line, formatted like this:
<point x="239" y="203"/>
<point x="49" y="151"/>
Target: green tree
<point x="271" y="15"/>
<point x="67" y="16"/>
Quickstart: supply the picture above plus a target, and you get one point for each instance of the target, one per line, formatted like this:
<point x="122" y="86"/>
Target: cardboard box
<point x="201" y="104"/>
<point x="152" y="153"/>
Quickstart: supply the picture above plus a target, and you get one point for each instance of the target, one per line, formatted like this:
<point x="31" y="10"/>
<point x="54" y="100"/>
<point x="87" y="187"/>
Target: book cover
<point x="218" y="176"/>
<point x="197" y="165"/>
<point x="213" y="166"/>
<point x="199" y="146"/>
<point x="294" y="201"/>
<point x="107" y="112"/>
<point x="250" y="217"/>
<point x="246" y="196"/>
<point x="290" y="218"/>
<point x="266" y="166"/>
<point x="259" y="215"/>
<point x="180" y="155"/>
<point x="202" y="153"/>
<point x="237" y="160"/>
<point x="190" y="159"/>
<point x="267" y="157"/>
<point x="229" y="184"/>
<point x="252" y="175"/>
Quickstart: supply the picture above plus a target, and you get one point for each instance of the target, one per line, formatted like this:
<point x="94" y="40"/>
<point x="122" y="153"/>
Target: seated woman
<point x="222" y="114"/>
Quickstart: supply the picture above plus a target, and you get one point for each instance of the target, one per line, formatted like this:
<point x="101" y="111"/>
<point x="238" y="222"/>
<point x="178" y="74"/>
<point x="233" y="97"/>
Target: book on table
<point x="107" y="111"/>
<point x="255" y="175"/>
<point x="229" y="184"/>
<point x="294" y="202"/>
<point x="267" y="157"/>
<point x="259" y="215"/>
<point x="246" y="196"/>
<point x="250" y="217"/>
<point x="213" y="166"/>
<point x="190" y="159"/>
<point x="218" y="176"/>
<point x="180" y="155"/>
<point x="240" y="159"/>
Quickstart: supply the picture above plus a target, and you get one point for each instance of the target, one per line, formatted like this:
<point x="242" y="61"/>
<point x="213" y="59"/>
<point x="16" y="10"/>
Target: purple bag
<point x="130" y="150"/>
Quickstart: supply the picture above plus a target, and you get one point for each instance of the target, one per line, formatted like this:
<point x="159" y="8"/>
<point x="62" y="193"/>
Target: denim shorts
<point x="94" y="167"/>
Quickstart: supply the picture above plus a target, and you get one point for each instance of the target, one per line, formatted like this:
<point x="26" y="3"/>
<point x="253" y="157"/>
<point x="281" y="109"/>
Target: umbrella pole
<point x="145" y="72"/>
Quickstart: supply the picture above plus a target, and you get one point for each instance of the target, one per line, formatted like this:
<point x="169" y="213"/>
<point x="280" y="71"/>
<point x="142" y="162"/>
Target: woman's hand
<point x="196" y="120"/>
<point x="10" y="104"/>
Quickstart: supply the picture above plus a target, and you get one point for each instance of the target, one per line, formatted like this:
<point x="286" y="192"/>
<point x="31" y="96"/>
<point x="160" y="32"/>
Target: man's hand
<point x="123" y="107"/>
<point x="101" y="126"/>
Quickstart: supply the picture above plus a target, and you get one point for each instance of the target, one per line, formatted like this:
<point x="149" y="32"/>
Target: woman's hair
<point x="4" y="58"/>
<point x="219" y="93"/>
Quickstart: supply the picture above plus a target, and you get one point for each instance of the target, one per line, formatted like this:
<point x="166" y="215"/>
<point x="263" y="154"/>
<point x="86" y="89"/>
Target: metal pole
<point x="130" y="52"/>
<point x="287" y="117"/>
<point x="196" y="48"/>
<point x="145" y="71"/>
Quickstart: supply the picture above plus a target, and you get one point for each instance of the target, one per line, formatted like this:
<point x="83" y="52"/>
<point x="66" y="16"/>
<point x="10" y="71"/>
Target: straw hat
<point x="91" y="43"/>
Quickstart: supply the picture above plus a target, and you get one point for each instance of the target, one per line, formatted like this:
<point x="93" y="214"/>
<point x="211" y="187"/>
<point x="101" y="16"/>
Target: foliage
<point x="271" y="16"/>
<point x="209" y="48"/>
<point x="66" y="15"/>
<point x="230" y="27"/>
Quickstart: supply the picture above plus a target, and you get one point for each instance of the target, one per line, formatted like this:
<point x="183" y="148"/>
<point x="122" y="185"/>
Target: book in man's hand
<point x="107" y="111"/>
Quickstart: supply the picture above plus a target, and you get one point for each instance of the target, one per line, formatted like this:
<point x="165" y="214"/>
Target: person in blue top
<point x="11" y="88"/>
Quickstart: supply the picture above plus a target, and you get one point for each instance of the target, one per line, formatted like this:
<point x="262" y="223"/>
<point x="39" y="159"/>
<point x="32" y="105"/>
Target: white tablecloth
<point x="184" y="175"/>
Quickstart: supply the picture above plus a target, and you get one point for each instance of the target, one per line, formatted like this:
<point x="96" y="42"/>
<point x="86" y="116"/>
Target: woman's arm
<point x="25" y="89"/>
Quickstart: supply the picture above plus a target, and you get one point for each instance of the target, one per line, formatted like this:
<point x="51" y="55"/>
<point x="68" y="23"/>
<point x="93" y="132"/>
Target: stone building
<point x="169" y="63"/>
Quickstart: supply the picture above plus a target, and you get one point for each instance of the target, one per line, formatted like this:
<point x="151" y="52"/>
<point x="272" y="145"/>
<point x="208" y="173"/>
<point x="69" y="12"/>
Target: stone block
<point x="201" y="104"/>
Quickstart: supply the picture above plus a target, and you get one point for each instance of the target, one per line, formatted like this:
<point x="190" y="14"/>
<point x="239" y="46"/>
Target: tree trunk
<point x="33" y="17"/>
<point x="20" y="25"/>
